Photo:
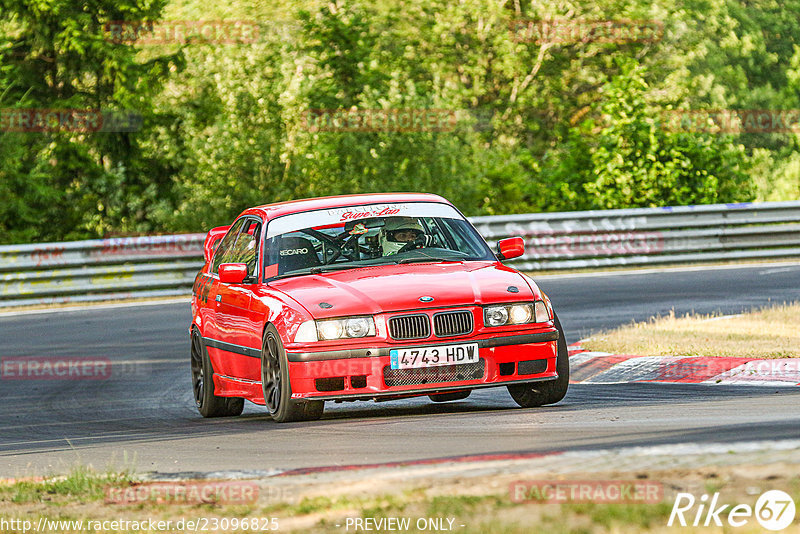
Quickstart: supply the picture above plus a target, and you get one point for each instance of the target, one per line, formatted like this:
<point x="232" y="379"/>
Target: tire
<point x="209" y="404"/>
<point x="447" y="397"/>
<point x="276" y="386"/>
<point x="551" y="391"/>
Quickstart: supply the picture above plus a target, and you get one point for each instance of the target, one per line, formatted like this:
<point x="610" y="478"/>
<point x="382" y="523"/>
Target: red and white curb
<point x="588" y="367"/>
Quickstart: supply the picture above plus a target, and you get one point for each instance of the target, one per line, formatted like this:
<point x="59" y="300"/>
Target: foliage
<point x="635" y="161"/>
<point x="540" y="124"/>
<point x="68" y="182"/>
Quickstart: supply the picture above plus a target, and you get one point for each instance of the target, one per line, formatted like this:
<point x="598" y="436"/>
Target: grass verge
<point x="81" y="485"/>
<point x="770" y="332"/>
<point x="466" y="506"/>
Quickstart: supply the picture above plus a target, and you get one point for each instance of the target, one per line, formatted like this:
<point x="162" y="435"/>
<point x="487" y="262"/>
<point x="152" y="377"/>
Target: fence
<point x="647" y="236"/>
<point x="101" y="269"/>
<point x="166" y="265"/>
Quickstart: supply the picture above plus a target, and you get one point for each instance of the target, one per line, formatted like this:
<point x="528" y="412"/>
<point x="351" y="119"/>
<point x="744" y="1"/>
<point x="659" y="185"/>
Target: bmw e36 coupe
<point x="366" y="297"/>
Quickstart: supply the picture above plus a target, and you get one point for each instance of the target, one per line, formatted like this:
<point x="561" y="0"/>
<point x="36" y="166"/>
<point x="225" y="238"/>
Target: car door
<point x="211" y="331"/>
<point x="238" y="328"/>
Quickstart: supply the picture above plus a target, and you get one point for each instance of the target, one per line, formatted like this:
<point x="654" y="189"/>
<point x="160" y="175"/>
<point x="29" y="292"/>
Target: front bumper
<point x="365" y="373"/>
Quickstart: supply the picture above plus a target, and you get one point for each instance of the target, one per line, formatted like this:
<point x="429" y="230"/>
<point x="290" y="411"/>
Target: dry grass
<point x="772" y="332"/>
<point x="480" y="503"/>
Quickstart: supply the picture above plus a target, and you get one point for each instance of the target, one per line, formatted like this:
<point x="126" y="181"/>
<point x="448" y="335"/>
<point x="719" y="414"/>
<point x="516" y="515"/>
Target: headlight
<point x="329" y="329"/>
<point x="358" y="326"/>
<point x="510" y="314"/>
<point x="345" y="327"/>
<point x="520" y="314"/>
<point x="495" y="316"/>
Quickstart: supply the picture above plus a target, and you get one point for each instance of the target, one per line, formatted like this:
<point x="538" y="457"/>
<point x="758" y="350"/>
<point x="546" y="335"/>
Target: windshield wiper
<point x="316" y="270"/>
<point x="325" y="268"/>
<point x="288" y="275"/>
<point x="428" y="259"/>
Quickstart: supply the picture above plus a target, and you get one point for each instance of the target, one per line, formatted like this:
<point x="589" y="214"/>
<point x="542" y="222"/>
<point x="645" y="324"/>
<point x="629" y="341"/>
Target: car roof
<point x="270" y="211"/>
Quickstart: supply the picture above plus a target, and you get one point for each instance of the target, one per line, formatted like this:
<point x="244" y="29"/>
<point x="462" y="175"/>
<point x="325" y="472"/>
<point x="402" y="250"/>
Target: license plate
<point x="434" y="356"/>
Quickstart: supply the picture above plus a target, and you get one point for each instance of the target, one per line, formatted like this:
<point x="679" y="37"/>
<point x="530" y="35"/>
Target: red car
<point x="366" y="297"/>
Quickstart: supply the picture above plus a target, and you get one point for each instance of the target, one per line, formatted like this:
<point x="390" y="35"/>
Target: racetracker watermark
<point x="149" y="245"/>
<point x="587" y="491"/>
<point x="731" y="121"/>
<point x="43" y="368"/>
<point x="572" y="31"/>
<point x="577" y="245"/>
<point x="774" y="510"/>
<point x="380" y="120"/>
<point x="71" y="368"/>
<point x="40" y="120"/>
<point x="150" y="525"/>
<point x="222" y="492"/>
<point x="693" y="368"/>
<point x="183" y="32"/>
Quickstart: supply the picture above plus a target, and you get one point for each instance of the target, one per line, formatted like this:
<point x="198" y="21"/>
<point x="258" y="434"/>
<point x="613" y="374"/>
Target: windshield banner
<point x="332" y="216"/>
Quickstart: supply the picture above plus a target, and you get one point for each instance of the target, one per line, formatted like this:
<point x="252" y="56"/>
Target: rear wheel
<point x="447" y="397"/>
<point x="209" y="404"/>
<point x="276" y="386"/>
<point x="551" y="391"/>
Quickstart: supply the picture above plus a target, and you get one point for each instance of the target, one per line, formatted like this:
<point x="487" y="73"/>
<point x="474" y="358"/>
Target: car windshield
<point x="369" y="235"/>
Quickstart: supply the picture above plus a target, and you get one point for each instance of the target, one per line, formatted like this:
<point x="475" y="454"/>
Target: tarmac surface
<point x="143" y="416"/>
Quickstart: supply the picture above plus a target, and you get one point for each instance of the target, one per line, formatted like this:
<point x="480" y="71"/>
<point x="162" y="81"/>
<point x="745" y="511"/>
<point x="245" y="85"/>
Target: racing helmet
<point x="388" y="241"/>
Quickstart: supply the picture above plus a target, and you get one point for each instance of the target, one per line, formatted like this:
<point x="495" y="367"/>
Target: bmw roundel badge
<point x="426" y="299"/>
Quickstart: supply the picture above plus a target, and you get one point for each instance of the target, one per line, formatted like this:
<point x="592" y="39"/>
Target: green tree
<point x="542" y="124"/>
<point x="636" y="161"/>
<point x="57" y="55"/>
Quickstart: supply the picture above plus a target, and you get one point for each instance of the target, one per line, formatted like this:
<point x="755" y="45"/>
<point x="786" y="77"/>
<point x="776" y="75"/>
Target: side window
<point x="245" y="250"/>
<point x="293" y="251"/>
<point x="456" y="232"/>
<point x="222" y="254"/>
<point x="442" y="238"/>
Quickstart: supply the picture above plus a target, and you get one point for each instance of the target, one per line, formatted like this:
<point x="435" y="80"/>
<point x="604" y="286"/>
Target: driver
<point x="398" y="232"/>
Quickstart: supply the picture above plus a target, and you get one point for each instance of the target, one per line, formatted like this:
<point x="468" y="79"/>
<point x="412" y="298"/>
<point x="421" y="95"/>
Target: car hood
<point x="390" y="288"/>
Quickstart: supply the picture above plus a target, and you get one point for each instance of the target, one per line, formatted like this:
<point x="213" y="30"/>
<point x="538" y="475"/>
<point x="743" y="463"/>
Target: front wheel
<point x="551" y="391"/>
<point x="209" y="404"/>
<point x="276" y="386"/>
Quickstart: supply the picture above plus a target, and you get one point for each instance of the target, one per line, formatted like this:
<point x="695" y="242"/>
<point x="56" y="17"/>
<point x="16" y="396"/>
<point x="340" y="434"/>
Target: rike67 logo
<point x="774" y="510"/>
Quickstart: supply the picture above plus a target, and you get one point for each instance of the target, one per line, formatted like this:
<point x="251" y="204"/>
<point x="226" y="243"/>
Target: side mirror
<point x="512" y="247"/>
<point x="232" y="273"/>
<point x="213" y="238"/>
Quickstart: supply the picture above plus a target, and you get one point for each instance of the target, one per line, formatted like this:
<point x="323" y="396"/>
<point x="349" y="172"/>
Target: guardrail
<point x="648" y="236"/>
<point x="100" y="269"/>
<point x="106" y="269"/>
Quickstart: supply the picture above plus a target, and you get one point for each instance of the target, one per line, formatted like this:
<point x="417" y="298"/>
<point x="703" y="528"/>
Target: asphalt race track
<point x="143" y="416"/>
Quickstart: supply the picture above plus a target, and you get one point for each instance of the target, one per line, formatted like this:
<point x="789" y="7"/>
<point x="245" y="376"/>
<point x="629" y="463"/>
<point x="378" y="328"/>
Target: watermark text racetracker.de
<point x="183" y="32"/>
<point x="72" y="120"/>
<point x="68" y="368"/>
<point x="731" y="121"/>
<point x="573" y="31"/>
<point x="380" y="120"/>
<point x="771" y="370"/>
<point x="197" y="524"/>
<point x="586" y="491"/>
<point x="188" y="492"/>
